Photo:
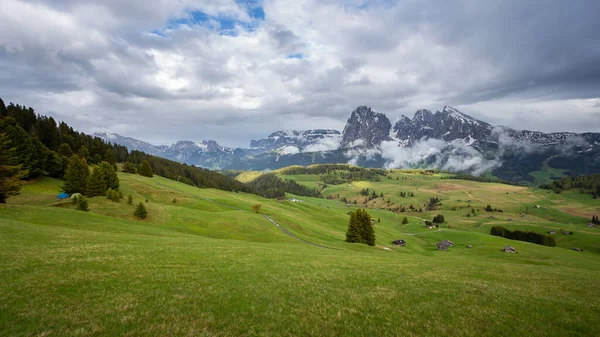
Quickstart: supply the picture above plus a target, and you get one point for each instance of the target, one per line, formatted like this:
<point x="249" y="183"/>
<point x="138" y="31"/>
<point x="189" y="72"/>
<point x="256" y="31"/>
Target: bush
<point x="82" y="204"/>
<point x="140" y="211"/>
<point x="256" y="208"/>
<point x="129" y="200"/>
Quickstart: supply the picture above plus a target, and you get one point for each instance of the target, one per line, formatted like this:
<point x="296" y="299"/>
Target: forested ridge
<point x="585" y="183"/>
<point x="39" y="146"/>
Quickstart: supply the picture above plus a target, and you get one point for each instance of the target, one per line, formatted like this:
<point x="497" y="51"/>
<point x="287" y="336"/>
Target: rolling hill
<point x="203" y="264"/>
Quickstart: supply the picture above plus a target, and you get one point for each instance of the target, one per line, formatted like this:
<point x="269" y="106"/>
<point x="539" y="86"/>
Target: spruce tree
<point x="140" y="211"/>
<point x="145" y="170"/>
<point x="129" y="200"/>
<point x="10" y="171"/>
<point x="109" y="175"/>
<point x="404" y="221"/>
<point x="353" y="233"/>
<point x="368" y="233"/>
<point x="76" y="175"/>
<point x="109" y="157"/>
<point x="96" y="184"/>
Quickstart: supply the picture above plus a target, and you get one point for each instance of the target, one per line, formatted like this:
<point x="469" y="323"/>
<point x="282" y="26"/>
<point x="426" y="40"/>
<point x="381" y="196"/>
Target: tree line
<point x="271" y="186"/>
<point x="587" y="184"/>
<point x="33" y="145"/>
<point x="540" y="239"/>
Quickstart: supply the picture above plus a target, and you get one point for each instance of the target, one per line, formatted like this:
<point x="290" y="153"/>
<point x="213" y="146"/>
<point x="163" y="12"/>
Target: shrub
<point x="129" y="200"/>
<point x="140" y="211"/>
<point x="82" y="204"/>
<point x="256" y="208"/>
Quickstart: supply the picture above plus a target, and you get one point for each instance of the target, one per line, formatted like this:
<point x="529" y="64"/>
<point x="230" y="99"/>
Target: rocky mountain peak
<point x="366" y="128"/>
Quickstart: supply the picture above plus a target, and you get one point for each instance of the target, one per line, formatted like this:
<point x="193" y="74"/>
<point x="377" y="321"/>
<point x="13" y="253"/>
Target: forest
<point x="35" y="145"/>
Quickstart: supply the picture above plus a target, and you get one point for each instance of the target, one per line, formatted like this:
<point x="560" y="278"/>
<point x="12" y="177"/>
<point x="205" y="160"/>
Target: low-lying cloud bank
<point x="437" y="154"/>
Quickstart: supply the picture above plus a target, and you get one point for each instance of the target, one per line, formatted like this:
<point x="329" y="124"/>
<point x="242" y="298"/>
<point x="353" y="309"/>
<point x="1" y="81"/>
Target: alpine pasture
<point x="206" y="265"/>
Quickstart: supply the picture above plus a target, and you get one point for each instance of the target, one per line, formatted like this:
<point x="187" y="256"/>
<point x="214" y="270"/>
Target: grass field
<point x="207" y="266"/>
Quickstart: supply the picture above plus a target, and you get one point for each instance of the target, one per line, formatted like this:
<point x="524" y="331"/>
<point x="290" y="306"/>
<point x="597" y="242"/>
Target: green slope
<point x="206" y="265"/>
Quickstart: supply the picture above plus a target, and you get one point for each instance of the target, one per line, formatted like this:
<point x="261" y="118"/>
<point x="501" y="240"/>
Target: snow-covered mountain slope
<point x="302" y="140"/>
<point x="447" y="139"/>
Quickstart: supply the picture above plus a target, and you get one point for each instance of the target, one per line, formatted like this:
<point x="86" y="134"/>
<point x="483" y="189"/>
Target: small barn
<point x="509" y="249"/>
<point x="577" y="249"/>
<point x="444" y="245"/>
<point x="591" y="225"/>
<point x="62" y="196"/>
<point x="399" y="243"/>
<point x="552" y="232"/>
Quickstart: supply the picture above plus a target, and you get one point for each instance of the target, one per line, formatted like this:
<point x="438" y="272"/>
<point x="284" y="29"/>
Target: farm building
<point x="400" y="243"/>
<point x="445" y="244"/>
<point x="509" y="249"/>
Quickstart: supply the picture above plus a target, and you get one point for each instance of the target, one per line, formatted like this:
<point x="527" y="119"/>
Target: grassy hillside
<point x="206" y="265"/>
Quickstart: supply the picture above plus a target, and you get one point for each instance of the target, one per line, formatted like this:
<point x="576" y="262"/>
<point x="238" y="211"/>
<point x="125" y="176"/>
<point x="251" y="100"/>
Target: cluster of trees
<point x="43" y="147"/>
<point x="332" y="179"/>
<point x="433" y="204"/>
<point x="34" y="145"/>
<point x="360" y="228"/>
<point x="595" y="220"/>
<point x="79" y="180"/>
<point x="540" y="239"/>
<point x="585" y="183"/>
<point x="409" y="194"/>
<point x="371" y="194"/>
<point x="271" y="186"/>
<point x="489" y="208"/>
<point x="439" y="219"/>
<point x="431" y="224"/>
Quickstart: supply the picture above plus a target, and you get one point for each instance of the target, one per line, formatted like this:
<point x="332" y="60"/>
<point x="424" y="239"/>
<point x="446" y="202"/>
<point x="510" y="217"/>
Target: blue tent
<point x="63" y="195"/>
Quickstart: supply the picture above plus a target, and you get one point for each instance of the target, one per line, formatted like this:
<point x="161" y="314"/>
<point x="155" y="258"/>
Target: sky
<point x="168" y="70"/>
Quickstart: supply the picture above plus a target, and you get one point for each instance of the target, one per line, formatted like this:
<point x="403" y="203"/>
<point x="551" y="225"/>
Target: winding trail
<point x="283" y="229"/>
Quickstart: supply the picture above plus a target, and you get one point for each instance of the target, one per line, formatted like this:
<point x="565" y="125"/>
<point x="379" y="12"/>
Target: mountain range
<point x="446" y="139"/>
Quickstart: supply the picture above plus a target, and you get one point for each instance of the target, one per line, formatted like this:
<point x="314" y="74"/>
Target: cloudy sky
<point x="166" y="70"/>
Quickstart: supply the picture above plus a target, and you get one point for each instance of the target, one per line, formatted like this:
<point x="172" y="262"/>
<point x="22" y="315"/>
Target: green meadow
<point x="204" y="264"/>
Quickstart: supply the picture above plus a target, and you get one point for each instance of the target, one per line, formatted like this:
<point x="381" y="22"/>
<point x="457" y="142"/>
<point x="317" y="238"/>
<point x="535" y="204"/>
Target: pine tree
<point x="10" y="171"/>
<point x="353" y="233"/>
<point x="109" y="157"/>
<point x="404" y="221"/>
<point x="145" y="170"/>
<point x="76" y="175"/>
<point x="140" y="211"/>
<point x="96" y="184"/>
<point x="129" y="200"/>
<point x="65" y="150"/>
<point x="368" y="233"/>
<point x="109" y="175"/>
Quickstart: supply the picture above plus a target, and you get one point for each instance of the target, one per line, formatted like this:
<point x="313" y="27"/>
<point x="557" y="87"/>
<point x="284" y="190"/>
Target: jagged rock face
<point x="366" y="128"/>
<point x="449" y="125"/>
<point x="296" y="138"/>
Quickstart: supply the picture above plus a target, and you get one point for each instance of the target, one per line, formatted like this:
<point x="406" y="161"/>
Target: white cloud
<point x="188" y="81"/>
